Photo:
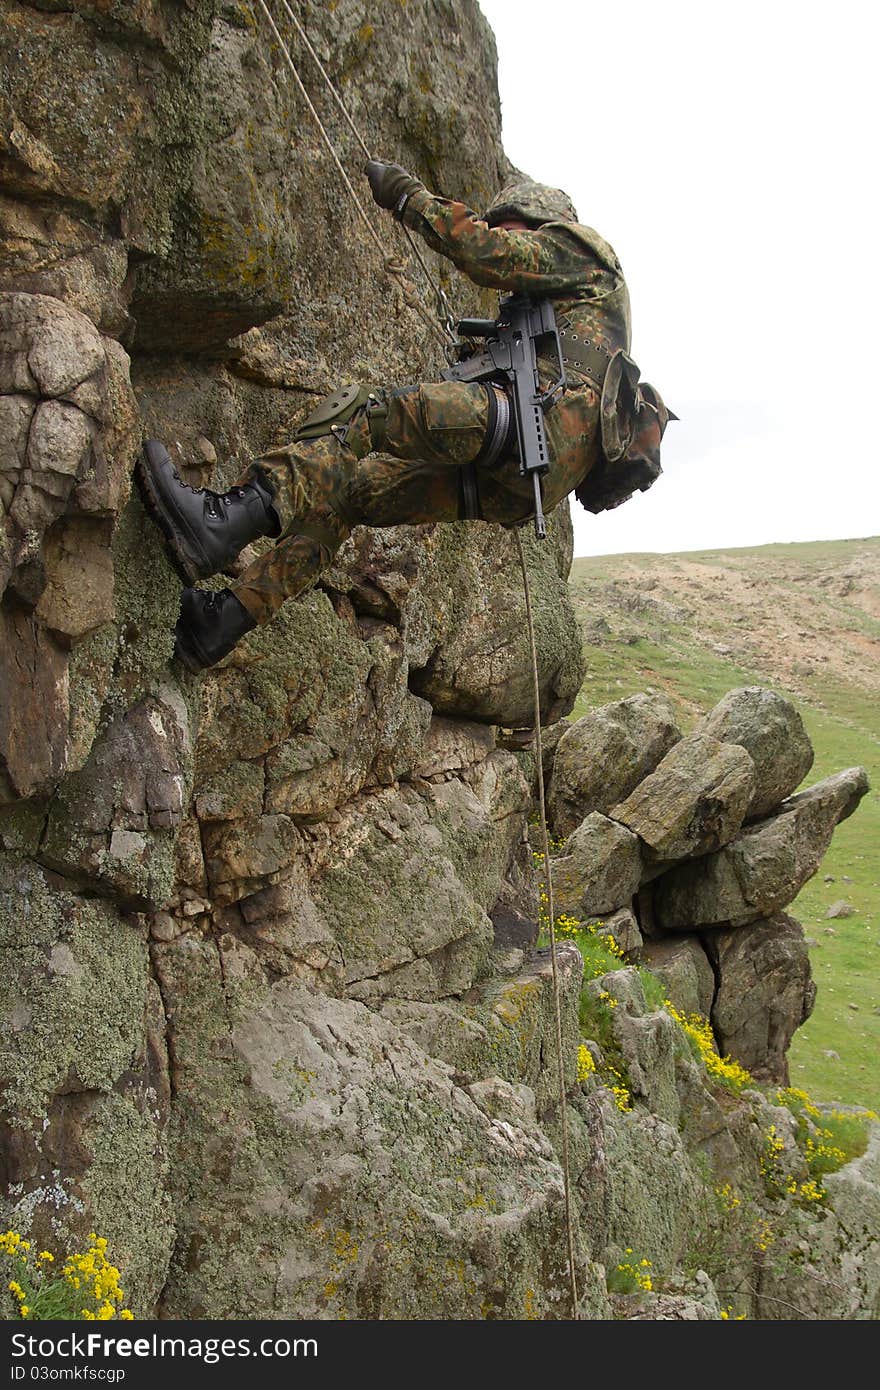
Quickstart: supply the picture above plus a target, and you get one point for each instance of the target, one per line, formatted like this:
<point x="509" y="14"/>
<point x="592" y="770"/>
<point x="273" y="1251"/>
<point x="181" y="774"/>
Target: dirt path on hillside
<point x="801" y="615"/>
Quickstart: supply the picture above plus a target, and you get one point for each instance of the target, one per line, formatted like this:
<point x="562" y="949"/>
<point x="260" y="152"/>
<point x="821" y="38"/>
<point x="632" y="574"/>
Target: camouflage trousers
<point x="324" y="487"/>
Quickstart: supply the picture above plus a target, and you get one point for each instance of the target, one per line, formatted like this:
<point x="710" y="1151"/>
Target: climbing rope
<point x="548" y="879"/>
<point x="394" y="268"/>
<point x="444" y="310"/>
<point x="445" y="333"/>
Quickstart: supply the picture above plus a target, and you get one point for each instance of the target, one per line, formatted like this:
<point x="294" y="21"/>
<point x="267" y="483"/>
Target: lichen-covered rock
<point x="324" y="702"/>
<point x="65" y="257"/>
<point x="332" y="1115"/>
<point x="69" y="387"/>
<point x="765" y="992"/>
<point x="765" y="867"/>
<point x="647" y="1039"/>
<point x="84" y="1077"/>
<point x="454" y="744"/>
<point x="510" y="1031"/>
<point x="459" y="602"/>
<point x="34" y="678"/>
<point x="829" y="1269"/>
<point x="772" y="732"/>
<point x="115" y="150"/>
<point x="637" y="1188"/>
<point x="682" y="964"/>
<point x="68" y="441"/>
<point x="602" y="757"/>
<point x="247" y="855"/>
<point x="112" y="824"/>
<point x="693" y="802"/>
<point x="600" y="869"/>
<point x="682" y="1300"/>
<point x="623" y="928"/>
<point x="408" y="876"/>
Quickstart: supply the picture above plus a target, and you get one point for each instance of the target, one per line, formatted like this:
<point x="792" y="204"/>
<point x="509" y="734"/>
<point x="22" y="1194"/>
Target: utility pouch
<point x="633" y="420"/>
<point x="334" y="413"/>
<point x="618" y="408"/>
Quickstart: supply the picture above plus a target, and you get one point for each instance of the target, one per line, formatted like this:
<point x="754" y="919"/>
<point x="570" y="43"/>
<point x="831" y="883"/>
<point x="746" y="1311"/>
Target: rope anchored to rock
<point x="548" y="879"/>
<point x="443" y="329"/>
<point x="392" y="266"/>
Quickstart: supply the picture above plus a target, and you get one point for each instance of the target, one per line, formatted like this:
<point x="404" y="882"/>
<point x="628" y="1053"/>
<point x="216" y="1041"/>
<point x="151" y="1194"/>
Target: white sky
<point x="729" y="153"/>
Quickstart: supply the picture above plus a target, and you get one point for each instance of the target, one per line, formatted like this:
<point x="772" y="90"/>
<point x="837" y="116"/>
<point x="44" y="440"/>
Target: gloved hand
<point x="389" y="183"/>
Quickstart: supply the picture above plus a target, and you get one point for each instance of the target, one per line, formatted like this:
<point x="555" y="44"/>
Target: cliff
<point x="273" y="1020"/>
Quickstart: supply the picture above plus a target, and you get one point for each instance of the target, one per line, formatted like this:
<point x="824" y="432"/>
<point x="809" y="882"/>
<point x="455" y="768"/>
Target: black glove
<point x="390" y="184"/>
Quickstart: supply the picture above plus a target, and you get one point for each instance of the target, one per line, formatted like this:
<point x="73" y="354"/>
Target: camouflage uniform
<point x="324" y="487"/>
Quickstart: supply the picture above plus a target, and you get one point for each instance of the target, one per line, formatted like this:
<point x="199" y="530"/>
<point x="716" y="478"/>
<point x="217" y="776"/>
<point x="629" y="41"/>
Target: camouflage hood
<point x="530" y="202"/>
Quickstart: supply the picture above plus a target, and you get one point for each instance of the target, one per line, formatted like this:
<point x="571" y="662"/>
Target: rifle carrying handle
<point x="476" y="328"/>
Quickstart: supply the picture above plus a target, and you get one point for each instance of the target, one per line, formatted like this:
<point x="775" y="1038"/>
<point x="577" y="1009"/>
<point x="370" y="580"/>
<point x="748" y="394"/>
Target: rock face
<point x="693" y="802"/>
<point x="70" y="434"/>
<point x="466" y="643"/>
<point x="683" y="966"/>
<point x="765" y="992"/>
<point x="765" y="867"/>
<point x="212" y="887"/>
<point x="653" y="864"/>
<point x="308" y="1070"/>
<point x="273" y="1018"/>
<point x="600" y="869"/>
<point x="772" y="733"/>
<point x="605" y="755"/>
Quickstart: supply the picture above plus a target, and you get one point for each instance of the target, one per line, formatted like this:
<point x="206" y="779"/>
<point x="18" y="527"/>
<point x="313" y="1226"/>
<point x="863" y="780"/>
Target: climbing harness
<point x="445" y="330"/>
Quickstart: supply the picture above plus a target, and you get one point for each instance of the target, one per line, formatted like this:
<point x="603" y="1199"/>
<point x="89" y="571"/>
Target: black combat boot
<point x="209" y="626"/>
<point x="204" y="530"/>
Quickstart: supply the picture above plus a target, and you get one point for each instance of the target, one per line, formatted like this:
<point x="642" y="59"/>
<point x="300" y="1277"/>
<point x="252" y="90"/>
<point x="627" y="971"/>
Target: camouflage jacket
<point x="562" y="261"/>
<point x="578" y="270"/>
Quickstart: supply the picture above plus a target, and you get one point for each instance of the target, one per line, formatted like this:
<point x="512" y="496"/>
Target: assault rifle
<point x="524" y="328"/>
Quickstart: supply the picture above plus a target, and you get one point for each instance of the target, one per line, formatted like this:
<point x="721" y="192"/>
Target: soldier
<point x="442" y="451"/>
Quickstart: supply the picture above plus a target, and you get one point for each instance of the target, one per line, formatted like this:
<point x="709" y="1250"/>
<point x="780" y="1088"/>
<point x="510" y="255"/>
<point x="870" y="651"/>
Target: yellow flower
<point x="24" y="1310"/>
<point x="811" y="1191"/>
<point x="585" y="1064"/>
<point x="621" y="1097"/>
<point x="46" y="1255"/>
<point x="126" y="1314"/>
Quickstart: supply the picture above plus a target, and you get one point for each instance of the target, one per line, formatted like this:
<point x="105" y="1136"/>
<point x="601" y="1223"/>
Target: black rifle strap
<point x="469" y="498"/>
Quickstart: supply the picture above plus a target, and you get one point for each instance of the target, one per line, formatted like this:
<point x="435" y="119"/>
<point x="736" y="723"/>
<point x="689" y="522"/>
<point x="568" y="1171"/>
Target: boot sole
<point x="190" y="572"/>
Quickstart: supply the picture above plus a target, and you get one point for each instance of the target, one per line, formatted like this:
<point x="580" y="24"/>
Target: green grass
<point x="846" y="965"/>
<point x="843" y="725"/>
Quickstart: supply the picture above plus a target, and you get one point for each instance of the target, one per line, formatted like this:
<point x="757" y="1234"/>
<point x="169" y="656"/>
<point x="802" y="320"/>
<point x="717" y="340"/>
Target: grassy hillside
<point x="804" y="620"/>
